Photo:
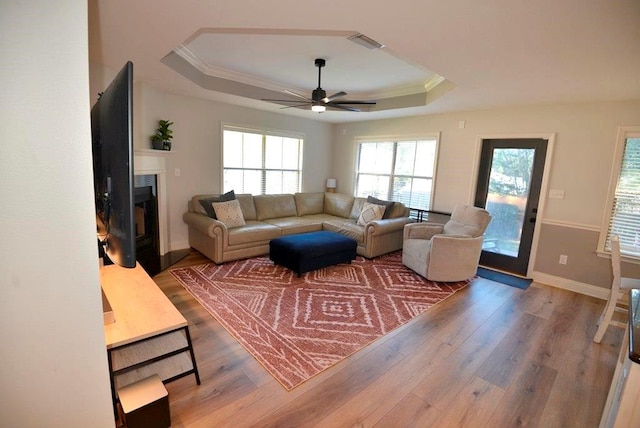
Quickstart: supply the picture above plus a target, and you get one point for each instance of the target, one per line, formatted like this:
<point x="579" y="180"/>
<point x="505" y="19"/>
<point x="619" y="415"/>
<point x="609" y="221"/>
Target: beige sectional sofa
<point x="270" y="216"/>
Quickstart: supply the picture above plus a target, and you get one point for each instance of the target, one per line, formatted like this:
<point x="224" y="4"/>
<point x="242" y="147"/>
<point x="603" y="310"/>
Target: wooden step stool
<point x="145" y="404"/>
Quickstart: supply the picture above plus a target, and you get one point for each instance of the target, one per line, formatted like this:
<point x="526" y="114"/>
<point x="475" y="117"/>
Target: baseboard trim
<point x="571" y="285"/>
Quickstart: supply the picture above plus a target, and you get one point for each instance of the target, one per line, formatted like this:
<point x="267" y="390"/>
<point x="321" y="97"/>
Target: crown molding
<point x="186" y="54"/>
<point x="399" y="91"/>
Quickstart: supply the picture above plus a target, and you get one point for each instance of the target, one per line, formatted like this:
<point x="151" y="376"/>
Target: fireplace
<point x="147" y="232"/>
<point x="150" y="170"/>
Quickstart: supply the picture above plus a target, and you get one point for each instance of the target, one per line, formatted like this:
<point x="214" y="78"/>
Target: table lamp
<point x="331" y="185"/>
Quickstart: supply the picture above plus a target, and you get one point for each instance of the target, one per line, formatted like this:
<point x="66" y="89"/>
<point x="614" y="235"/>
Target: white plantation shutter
<point x="625" y="211"/>
<point x="397" y="170"/>
<point x="261" y="162"/>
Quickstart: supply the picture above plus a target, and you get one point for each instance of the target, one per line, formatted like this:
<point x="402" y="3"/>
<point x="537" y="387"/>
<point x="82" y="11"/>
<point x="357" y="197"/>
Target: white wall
<point x="54" y="362"/>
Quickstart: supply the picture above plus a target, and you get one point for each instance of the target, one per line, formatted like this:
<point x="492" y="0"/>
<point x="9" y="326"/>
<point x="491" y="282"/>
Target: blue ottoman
<point x="314" y="250"/>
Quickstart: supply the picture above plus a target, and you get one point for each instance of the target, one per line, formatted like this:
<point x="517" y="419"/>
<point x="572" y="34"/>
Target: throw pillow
<point x="229" y="213"/>
<point x="370" y="212"/>
<point x="388" y="205"/>
<point x="206" y="202"/>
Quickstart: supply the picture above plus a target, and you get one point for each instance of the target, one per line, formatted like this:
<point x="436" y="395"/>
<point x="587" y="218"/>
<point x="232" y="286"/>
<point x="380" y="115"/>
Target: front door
<point x="509" y="181"/>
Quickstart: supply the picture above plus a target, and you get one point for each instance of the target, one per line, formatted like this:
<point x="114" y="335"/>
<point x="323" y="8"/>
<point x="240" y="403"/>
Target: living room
<point x="584" y="136"/>
<point x="53" y="332"/>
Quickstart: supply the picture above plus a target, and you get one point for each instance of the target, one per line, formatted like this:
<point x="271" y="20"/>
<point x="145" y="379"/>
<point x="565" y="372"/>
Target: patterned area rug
<point x="298" y="327"/>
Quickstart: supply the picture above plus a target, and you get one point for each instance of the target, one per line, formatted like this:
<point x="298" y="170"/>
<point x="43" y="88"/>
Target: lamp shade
<point x="331" y="183"/>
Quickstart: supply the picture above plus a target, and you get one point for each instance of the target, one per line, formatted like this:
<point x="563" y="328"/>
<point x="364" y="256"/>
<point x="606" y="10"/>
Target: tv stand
<point x="107" y="311"/>
<point x="149" y="335"/>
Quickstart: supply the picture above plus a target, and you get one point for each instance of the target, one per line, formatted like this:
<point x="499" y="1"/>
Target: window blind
<point x="400" y="170"/>
<point x="259" y="162"/>
<point x="625" y="212"/>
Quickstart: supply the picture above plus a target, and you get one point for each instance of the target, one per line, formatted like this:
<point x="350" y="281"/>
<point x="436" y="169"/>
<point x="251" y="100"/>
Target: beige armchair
<point x="448" y="252"/>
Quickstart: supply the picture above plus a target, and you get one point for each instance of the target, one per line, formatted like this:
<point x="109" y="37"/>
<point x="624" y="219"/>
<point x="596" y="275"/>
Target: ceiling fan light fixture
<point x="365" y="41"/>
<point x="319" y="100"/>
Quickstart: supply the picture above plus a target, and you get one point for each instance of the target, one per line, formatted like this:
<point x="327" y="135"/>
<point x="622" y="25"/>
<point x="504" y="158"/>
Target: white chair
<point x="448" y="252"/>
<point x="619" y="287"/>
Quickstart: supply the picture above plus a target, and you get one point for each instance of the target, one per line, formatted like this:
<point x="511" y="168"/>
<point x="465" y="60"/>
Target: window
<point x="623" y="205"/>
<point x="397" y="170"/>
<point x="260" y="162"/>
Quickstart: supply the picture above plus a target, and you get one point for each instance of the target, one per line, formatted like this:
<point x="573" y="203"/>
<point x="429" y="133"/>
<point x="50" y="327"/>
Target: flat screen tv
<point x="112" y="147"/>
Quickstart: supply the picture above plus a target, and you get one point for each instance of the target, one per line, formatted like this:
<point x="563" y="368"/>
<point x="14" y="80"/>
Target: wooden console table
<point x="149" y="335"/>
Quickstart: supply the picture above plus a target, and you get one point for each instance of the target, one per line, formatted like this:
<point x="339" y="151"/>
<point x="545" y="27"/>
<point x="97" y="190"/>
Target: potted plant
<point x="161" y="140"/>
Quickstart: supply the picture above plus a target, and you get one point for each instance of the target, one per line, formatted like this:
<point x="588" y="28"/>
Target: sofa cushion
<point x="196" y="206"/>
<point x="309" y="203"/>
<point x="229" y="213"/>
<point x="253" y="232"/>
<point x="346" y="227"/>
<point x="369" y="213"/>
<point x="388" y="205"/>
<point x="246" y="204"/>
<point x="205" y="203"/>
<point x="356" y="209"/>
<point x="398" y="210"/>
<point x="294" y="225"/>
<point x="275" y="206"/>
<point x="338" y="204"/>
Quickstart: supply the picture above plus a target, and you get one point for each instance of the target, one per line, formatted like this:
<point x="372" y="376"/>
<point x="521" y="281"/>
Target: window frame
<point x="398" y="139"/>
<point x="604" y="249"/>
<point x="264" y="133"/>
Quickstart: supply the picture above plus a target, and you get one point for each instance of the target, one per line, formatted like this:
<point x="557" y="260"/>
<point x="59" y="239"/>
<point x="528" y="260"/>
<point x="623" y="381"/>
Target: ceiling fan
<point x="319" y="100"/>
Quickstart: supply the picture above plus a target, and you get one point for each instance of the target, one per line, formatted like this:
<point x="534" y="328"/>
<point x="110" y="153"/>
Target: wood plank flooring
<point x="489" y="356"/>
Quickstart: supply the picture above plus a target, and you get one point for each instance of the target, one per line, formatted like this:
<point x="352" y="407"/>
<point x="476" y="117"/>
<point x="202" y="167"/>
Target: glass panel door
<point x="509" y="180"/>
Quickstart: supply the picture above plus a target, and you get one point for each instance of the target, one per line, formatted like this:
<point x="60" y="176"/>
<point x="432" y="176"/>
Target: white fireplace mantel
<point x="153" y="162"/>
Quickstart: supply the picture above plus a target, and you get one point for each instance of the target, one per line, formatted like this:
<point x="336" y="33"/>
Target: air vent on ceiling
<point x="365" y="41"/>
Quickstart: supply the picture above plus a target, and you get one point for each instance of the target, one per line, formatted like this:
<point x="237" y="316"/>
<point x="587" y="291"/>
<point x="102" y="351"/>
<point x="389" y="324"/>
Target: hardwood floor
<point x="489" y="356"/>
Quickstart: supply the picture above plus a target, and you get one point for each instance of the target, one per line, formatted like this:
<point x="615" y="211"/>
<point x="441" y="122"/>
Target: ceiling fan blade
<point x="282" y="101"/>
<point x="298" y="95"/>
<point x="334" y="96"/>
<point x="363" y="102"/>
<point x="341" y="107"/>
<point x="295" y="106"/>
